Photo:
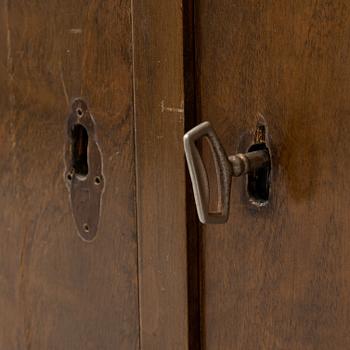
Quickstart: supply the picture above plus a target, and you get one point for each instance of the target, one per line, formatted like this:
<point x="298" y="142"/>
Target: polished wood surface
<point x="278" y="277"/>
<point x="161" y="187"/>
<point x="56" y="291"/>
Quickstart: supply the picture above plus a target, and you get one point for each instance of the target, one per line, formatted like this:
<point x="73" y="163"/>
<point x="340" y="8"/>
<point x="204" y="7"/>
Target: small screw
<point x="86" y="227"/>
<point x="97" y="180"/>
<point x="70" y="176"/>
<point x="79" y="111"/>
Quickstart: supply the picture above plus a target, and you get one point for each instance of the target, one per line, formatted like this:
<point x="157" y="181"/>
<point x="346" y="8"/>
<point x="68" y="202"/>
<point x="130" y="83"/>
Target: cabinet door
<point x="127" y="287"/>
<point x="57" y="291"/>
<point x="277" y="276"/>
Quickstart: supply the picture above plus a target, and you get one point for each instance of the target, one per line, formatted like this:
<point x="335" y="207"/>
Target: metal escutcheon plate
<point x="83" y="175"/>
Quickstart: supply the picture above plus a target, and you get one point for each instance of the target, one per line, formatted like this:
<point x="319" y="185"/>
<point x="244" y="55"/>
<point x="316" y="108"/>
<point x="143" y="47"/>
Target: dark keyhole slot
<point x="259" y="179"/>
<point x="80" y="141"/>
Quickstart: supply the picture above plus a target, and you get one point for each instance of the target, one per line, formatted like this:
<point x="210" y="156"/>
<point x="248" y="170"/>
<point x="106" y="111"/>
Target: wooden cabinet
<point x="275" y="276"/>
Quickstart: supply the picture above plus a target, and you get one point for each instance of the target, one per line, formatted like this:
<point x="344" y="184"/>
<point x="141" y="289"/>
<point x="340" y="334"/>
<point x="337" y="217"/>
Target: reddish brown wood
<point x="57" y="292"/>
<point x="278" y="277"/>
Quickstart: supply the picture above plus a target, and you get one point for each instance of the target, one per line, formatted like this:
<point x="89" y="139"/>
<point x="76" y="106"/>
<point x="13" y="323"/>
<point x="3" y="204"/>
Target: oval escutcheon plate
<point x="83" y="175"/>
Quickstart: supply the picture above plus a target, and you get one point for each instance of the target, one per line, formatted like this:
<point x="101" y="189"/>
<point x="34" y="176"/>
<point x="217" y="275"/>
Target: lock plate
<point x="84" y="174"/>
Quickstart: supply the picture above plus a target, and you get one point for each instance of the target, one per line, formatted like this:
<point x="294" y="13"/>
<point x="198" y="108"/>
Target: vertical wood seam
<point x="135" y="169"/>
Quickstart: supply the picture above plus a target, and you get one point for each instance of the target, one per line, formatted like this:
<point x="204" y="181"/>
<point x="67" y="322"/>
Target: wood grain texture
<point x="278" y="277"/>
<point x="57" y="292"/>
<point x="159" y="116"/>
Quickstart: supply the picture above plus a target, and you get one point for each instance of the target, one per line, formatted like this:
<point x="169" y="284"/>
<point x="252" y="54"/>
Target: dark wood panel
<point x="159" y="113"/>
<point x="278" y="277"/>
<point x="56" y="291"/>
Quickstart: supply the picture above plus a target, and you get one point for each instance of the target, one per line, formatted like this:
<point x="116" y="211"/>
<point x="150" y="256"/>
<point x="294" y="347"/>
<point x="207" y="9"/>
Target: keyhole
<point x="80" y="141"/>
<point x="258" y="181"/>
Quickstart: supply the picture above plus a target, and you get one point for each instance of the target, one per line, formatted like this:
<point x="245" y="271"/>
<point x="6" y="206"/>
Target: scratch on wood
<point x="172" y="109"/>
<point x="64" y="85"/>
<point x="75" y="30"/>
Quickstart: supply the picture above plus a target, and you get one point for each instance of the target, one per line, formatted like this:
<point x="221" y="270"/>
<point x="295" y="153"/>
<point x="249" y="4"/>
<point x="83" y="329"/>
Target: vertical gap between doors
<point x="192" y="224"/>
